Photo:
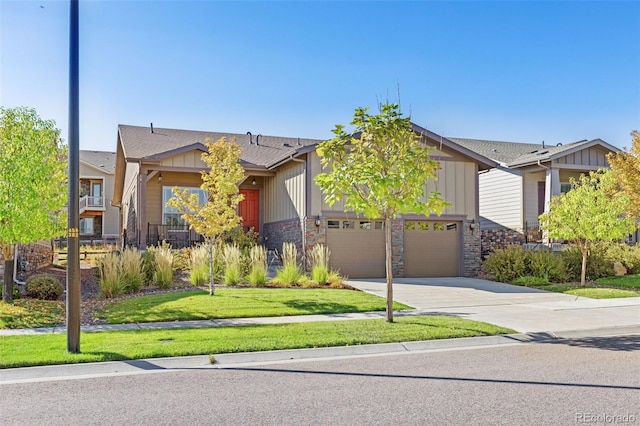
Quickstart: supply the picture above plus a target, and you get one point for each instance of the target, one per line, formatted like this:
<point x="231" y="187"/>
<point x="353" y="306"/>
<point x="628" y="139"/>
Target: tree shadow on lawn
<point x="307" y="307"/>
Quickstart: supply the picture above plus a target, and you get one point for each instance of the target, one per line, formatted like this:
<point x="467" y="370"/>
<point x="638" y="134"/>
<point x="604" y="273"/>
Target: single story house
<point x="99" y="219"/>
<point x="519" y="189"/>
<point x="283" y="204"/>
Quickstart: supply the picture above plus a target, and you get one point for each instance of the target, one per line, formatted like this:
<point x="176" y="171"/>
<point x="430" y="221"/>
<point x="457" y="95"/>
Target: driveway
<point x="523" y="309"/>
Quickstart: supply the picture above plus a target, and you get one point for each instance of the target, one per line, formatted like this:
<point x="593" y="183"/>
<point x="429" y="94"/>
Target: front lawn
<point x="31" y="350"/>
<point x="588" y="291"/>
<point x="31" y="313"/>
<point x="626" y="281"/>
<point x="241" y="303"/>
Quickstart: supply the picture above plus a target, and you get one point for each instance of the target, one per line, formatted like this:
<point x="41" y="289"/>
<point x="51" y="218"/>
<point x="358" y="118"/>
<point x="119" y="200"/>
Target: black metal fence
<point x="178" y="236"/>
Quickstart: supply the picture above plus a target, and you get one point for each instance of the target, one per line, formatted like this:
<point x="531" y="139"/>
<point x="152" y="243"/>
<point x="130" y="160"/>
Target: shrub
<point x="257" y="276"/>
<point x="243" y="240"/>
<point x="318" y="258"/>
<point x="544" y="264"/>
<point x="149" y="266"/>
<point x="506" y="264"/>
<point x="182" y="259"/>
<point x="232" y="258"/>
<point x="109" y="268"/>
<point x="132" y="276"/>
<point x="597" y="265"/>
<point x="306" y="282"/>
<point x="163" y="259"/>
<point x="44" y="287"/>
<point x="335" y="280"/>
<point x="289" y="274"/>
<point x="199" y="265"/>
<point x="629" y="256"/>
<point x="531" y="281"/>
<point x="16" y="292"/>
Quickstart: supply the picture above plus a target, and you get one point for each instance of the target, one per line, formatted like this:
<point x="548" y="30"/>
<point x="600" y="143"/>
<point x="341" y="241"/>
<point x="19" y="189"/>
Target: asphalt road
<point x="589" y="380"/>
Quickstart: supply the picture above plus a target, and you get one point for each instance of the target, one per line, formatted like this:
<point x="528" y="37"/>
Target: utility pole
<point x="73" y="233"/>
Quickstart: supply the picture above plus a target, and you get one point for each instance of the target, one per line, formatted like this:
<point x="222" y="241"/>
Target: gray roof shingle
<point x="103" y="160"/>
<point x="140" y="144"/>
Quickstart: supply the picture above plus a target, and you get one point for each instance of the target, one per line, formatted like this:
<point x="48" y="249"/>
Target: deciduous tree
<point x="626" y="168"/>
<point x="380" y="169"/>
<point x="32" y="183"/>
<point x="593" y="210"/>
<point x="220" y="183"/>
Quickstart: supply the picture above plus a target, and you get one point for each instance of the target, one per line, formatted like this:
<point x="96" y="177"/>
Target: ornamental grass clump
<point x="163" y="256"/>
<point x="318" y="257"/>
<point x="257" y="276"/>
<point x="289" y="274"/>
<point x="199" y="265"/>
<point x="232" y="259"/>
<point x="131" y="269"/>
<point x="110" y="283"/>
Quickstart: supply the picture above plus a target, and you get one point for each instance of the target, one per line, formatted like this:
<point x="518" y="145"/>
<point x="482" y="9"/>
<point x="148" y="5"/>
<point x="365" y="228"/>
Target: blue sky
<point x="512" y="71"/>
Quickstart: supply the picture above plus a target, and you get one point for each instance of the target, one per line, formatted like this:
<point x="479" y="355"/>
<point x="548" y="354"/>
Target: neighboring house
<point x="99" y="220"/>
<point x="515" y="193"/>
<point x="283" y="204"/>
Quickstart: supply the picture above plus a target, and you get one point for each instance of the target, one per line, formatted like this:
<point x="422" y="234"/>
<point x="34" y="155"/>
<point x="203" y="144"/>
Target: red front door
<point x="249" y="209"/>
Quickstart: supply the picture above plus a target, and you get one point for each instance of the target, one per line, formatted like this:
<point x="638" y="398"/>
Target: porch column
<point x="552" y="187"/>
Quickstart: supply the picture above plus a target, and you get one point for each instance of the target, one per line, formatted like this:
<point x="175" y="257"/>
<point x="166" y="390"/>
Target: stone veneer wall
<point x="397" y="247"/>
<point x="284" y="231"/>
<point x="471" y="250"/>
<point x="493" y="239"/>
<point x="30" y="258"/>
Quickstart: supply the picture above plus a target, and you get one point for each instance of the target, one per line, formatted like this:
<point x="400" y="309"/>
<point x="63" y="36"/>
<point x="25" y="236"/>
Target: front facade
<point x="98" y="218"/>
<point x="283" y="204"/>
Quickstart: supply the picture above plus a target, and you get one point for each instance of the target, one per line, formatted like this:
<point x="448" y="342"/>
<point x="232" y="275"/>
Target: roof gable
<point x="104" y="161"/>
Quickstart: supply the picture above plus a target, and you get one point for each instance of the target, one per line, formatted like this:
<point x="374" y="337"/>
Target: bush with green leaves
<point x="597" y="265"/>
<point x="545" y="264"/>
<point x="257" y="275"/>
<point x="629" y="256"/>
<point x="44" y="287"/>
<point x="182" y="258"/>
<point x="318" y="258"/>
<point x="16" y="292"/>
<point x="238" y="237"/>
<point x="507" y="264"/>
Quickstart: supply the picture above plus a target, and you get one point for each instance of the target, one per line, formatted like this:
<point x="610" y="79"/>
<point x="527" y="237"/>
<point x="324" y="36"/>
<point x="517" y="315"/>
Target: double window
<point x="170" y="215"/>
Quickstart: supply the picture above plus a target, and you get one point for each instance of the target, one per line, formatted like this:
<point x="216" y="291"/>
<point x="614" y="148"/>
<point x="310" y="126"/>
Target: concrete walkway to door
<point x="523" y="309"/>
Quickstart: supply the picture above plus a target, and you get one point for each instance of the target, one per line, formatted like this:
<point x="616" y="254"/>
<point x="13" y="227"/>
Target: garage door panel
<point x="432" y="249"/>
<point x="357" y="253"/>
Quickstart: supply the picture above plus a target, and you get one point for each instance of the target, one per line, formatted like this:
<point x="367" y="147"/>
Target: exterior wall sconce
<point x="159" y="177"/>
<point x="473" y="224"/>
<point x="253" y="182"/>
<point x="318" y="221"/>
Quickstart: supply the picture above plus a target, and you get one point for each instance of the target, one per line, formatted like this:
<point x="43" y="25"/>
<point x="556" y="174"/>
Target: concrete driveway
<point x="522" y="309"/>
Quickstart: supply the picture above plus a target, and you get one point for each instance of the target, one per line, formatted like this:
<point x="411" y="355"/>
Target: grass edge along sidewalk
<point x="50" y="349"/>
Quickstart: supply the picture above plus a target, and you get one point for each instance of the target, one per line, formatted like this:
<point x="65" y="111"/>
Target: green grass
<point x="627" y="281"/>
<point x="241" y="303"/>
<point x="31" y="350"/>
<point x="588" y="291"/>
<point x="31" y="313"/>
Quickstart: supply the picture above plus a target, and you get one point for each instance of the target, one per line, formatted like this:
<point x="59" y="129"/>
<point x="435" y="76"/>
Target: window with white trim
<point x="86" y="225"/>
<point x="170" y="215"/>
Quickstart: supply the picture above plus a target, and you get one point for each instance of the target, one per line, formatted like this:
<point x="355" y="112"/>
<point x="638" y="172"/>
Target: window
<point x="565" y="187"/>
<point x="364" y="224"/>
<point x="333" y="224"/>
<point x="86" y="225"/>
<point x="170" y="215"/>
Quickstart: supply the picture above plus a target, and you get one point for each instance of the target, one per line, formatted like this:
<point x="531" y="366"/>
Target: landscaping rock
<point x="619" y="269"/>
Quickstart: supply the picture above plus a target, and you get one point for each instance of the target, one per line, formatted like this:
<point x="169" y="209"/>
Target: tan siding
<point x="188" y="159"/>
<point x="153" y="204"/>
<point x="500" y="199"/>
<point x="587" y="157"/>
<point x="129" y="195"/>
<point x="285" y="193"/>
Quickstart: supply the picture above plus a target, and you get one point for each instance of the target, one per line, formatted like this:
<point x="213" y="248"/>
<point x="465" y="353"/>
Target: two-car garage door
<point x="431" y="248"/>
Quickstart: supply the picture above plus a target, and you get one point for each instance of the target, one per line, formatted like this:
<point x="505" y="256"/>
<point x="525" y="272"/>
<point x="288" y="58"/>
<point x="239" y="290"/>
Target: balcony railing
<point x="89" y="202"/>
<point x="178" y="236"/>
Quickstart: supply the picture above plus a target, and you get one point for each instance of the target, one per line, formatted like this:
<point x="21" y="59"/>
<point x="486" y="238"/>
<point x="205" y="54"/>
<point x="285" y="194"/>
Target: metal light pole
<point x="73" y="237"/>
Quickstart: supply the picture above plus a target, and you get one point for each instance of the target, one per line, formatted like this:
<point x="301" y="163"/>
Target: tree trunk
<point x="7" y="283"/>
<point x="583" y="274"/>
<point x="210" y="268"/>
<point x="389" y="268"/>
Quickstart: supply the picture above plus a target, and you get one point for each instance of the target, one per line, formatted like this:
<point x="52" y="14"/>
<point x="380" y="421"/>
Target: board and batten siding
<point x="592" y="156"/>
<point x="192" y="159"/>
<point x="129" y="197"/>
<point x="284" y="193"/>
<point x="500" y="199"/>
<point x="456" y="183"/>
<point x="530" y="185"/>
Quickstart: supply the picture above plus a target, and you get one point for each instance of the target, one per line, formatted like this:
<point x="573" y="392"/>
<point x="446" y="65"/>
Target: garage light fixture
<point x="318" y="221"/>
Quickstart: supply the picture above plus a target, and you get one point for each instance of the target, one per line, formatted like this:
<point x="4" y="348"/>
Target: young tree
<point x="219" y="212"/>
<point x="592" y="211"/>
<point x="32" y="184"/>
<point x="626" y="168"/>
<point x="381" y="171"/>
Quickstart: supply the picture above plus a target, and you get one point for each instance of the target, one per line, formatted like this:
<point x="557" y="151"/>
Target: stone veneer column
<point x="314" y="234"/>
<point x="472" y="250"/>
<point x="286" y="231"/>
<point x="397" y="247"/>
